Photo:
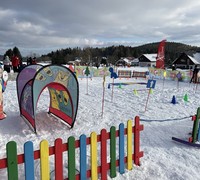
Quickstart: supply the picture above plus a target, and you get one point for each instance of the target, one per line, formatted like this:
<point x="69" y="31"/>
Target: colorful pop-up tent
<point x="63" y="89"/>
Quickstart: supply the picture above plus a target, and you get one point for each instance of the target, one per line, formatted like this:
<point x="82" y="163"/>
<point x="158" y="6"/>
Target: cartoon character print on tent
<point x="63" y="89"/>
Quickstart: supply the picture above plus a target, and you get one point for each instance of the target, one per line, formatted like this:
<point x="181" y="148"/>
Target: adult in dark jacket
<point x="194" y="75"/>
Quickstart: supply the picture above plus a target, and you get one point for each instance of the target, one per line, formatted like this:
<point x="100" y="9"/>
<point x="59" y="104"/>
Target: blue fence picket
<point x="13" y="159"/>
<point x="29" y="160"/>
<point x="83" y="157"/>
<point x="121" y="148"/>
<point x="198" y="138"/>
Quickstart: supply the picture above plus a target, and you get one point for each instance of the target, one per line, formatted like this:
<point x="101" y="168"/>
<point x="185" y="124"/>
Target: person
<point x="7" y="64"/>
<point x="34" y="61"/>
<point x="3" y="83"/>
<point x="15" y="63"/>
<point x="173" y="67"/>
<point x="194" y="75"/>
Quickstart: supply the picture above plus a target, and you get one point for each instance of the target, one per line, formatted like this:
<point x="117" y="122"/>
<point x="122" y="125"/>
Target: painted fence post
<point x="104" y="167"/>
<point x="121" y="148"/>
<point x="12" y="166"/>
<point x="71" y="158"/>
<point x="12" y="160"/>
<point x="83" y="157"/>
<point x="196" y="126"/>
<point x="58" y="159"/>
<point x="93" y="151"/>
<point x="129" y="145"/>
<point x="198" y="138"/>
<point x="44" y="160"/>
<point x="29" y="160"/>
<point x="136" y="141"/>
<point x="112" y="152"/>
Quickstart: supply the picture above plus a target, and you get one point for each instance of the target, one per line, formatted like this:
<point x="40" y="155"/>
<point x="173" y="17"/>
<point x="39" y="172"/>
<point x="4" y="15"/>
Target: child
<point x="3" y="83"/>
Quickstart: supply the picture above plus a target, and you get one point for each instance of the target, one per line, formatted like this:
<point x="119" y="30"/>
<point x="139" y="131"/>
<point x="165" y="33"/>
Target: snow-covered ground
<point x="163" y="158"/>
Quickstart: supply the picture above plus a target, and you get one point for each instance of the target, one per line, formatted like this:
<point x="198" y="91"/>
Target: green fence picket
<point x="11" y="148"/>
<point x="112" y="152"/>
<point x="196" y="126"/>
<point x="71" y="158"/>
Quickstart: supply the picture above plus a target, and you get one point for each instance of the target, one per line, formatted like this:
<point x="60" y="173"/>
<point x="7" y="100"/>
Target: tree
<point x="9" y="53"/>
<point x="16" y="52"/>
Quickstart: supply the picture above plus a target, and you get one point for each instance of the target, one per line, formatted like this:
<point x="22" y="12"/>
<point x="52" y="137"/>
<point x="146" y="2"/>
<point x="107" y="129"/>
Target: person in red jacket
<point x="15" y="63"/>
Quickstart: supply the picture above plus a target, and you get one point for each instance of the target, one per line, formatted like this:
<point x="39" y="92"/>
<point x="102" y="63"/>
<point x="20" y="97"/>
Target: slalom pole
<point x="164" y="75"/>
<point x="87" y="85"/>
<point x="163" y="83"/>
<point x="147" y="98"/>
<point x="103" y="95"/>
<point x="178" y="84"/>
<point x="112" y="90"/>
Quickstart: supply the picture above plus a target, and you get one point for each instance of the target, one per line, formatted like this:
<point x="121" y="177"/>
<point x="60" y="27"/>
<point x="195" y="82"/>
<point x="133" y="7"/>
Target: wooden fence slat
<point x="121" y="149"/>
<point x="129" y="145"/>
<point x="104" y="167"/>
<point x="44" y="160"/>
<point x="93" y="151"/>
<point x="29" y="160"/>
<point x="58" y="159"/>
<point x="113" y="152"/>
<point x="11" y="148"/>
<point x="12" y="160"/>
<point x="83" y="157"/>
<point x="71" y="158"/>
<point x="196" y="126"/>
<point x="137" y="141"/>
<point x="198" y="138"/>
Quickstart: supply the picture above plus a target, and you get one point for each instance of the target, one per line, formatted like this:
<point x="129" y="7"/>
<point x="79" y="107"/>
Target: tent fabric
<point x="24" y="76"/>
<point x="63" y="89"/>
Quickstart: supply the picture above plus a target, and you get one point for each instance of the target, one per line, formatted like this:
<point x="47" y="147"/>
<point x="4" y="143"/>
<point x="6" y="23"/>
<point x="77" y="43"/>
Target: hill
<point x="114" y="53"/>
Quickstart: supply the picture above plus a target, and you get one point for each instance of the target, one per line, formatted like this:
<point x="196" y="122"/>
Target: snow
<point x="163" y="158"/>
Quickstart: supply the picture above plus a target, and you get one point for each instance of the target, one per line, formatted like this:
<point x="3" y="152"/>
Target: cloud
<point x="48" y="25"/>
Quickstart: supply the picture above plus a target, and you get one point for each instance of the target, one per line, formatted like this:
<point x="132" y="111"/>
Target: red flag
<point x="160" y="59"/>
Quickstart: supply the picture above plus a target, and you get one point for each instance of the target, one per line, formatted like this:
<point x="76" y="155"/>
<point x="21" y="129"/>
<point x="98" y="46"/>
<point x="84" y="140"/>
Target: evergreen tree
<point x="8" y="53"/>
<point x="17" y="53"/>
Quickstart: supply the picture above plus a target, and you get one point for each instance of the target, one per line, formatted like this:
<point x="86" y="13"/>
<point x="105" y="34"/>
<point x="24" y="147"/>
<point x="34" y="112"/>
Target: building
<point x="185" y="61"/>
<point x="128" y="61"/>
<point x="147" y="60"/>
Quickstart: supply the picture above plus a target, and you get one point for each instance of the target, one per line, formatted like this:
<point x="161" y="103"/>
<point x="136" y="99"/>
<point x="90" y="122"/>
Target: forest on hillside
<point x="109" y="55"/>
<point x="114" y="53"/>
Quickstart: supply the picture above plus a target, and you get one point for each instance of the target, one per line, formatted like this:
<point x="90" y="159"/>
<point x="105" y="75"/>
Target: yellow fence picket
<point x="129" y="145"/>
<point x="44" y="157"/>
<point x="93" y="151"/>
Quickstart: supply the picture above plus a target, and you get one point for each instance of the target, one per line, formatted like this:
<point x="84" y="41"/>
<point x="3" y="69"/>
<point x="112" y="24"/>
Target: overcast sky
<point x="42" y="26"/>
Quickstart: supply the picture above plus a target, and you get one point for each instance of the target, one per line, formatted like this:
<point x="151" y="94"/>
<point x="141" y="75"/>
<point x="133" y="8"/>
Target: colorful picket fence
<point x="129" y="137"/>
<point x="139" y="74"/>
<point x="124" y="73"/>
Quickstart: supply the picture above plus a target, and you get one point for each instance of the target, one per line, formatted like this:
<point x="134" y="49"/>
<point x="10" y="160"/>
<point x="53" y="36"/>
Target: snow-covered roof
<point x="151" y="57"/>
<point x="197" y="56"/>
<point x="126" y="60"/>
<point x="135" y="60"/>
<point x="194" y="60"/>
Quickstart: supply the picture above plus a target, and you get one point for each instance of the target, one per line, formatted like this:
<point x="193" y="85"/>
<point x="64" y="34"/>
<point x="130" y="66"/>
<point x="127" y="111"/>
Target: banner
<point x="160" y="59"/>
